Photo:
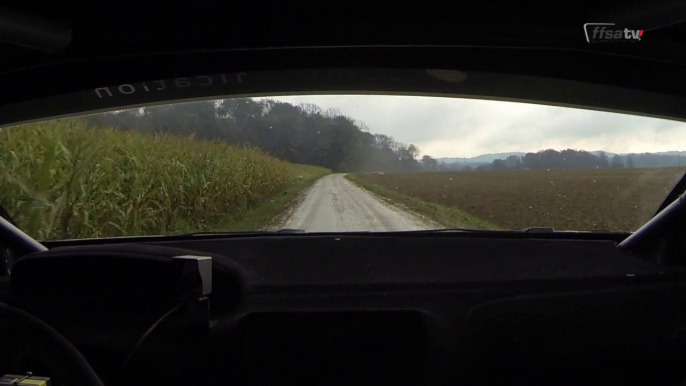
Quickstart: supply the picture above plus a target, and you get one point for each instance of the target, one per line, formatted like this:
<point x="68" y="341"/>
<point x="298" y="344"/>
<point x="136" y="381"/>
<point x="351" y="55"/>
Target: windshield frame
<point x="442" y="83"/>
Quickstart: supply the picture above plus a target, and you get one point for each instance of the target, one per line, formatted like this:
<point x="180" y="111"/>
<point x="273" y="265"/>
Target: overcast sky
<point x="452" y="127"/>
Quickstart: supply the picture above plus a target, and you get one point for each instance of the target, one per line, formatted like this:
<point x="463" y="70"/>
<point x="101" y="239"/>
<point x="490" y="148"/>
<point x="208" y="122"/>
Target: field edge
<point x="267" y="216"/>
<point x="443" y="215"/>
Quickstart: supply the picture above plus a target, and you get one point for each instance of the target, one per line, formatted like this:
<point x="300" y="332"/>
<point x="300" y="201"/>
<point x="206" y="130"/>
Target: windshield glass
<point x="337" y="163"/>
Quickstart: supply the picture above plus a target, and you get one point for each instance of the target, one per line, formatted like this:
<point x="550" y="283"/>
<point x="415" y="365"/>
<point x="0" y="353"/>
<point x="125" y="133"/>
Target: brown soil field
<point x="614" y="200"/>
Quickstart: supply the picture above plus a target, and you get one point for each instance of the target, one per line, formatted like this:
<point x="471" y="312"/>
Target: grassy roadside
<point x="265" y="215"/>
<point x="449" y="217"/>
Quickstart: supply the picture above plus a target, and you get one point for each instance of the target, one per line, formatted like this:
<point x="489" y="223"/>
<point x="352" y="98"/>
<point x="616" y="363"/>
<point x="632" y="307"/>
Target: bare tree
<point x="414" y="151"/>
<point x="310" y="109"/>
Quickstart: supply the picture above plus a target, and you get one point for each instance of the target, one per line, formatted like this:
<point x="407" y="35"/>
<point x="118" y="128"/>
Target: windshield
<point x="337" y="163"/>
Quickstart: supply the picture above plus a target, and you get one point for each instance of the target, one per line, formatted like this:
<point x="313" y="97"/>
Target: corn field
<point x="62" y="179"/>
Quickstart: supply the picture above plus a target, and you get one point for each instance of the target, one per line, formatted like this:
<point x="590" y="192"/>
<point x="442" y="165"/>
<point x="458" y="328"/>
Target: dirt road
<point x="334" y="204"/>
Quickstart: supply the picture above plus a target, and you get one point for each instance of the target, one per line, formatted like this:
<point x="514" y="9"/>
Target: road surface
<point x="334" y="204"/>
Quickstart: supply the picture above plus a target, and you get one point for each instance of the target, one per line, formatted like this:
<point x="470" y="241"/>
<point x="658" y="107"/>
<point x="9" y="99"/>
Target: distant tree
<point x="413" y="151"/>
<point x="566" y="159"/>
<point x="630" y="162"/>
<point x="466" y="168"/>
<point x="514" y="162"/>
<point x="603" y="160"/>
<point x="532" y="161"/>
<point x="429" y="163"/>
<point x="333" y="112"/>
<point x="296" y="133"/>
<point x="310" y="108"/>
<point x="498" y="165"/>
<point x="616" y="162"/>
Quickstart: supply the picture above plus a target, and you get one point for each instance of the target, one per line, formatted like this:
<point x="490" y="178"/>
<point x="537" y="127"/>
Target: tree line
<point x="306" y="134"/>
<point x="303" y="134"/>
<point x="553" y="159"/>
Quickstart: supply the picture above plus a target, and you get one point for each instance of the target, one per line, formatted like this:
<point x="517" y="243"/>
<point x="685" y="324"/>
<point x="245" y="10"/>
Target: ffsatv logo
<point x="605" y="33"/>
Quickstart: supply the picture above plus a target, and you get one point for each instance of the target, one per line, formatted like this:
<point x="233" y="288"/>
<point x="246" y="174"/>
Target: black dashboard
<point x="370" y="308"/>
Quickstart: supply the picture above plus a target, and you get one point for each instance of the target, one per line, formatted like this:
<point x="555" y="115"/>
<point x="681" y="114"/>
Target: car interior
<point x="441" y="307"/>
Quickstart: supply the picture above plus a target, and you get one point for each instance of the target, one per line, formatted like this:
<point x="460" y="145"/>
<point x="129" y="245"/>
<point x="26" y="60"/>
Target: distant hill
<point x="484" y="158"/>
<point x="679" y="153"/>
<point x="639" y="160"/>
